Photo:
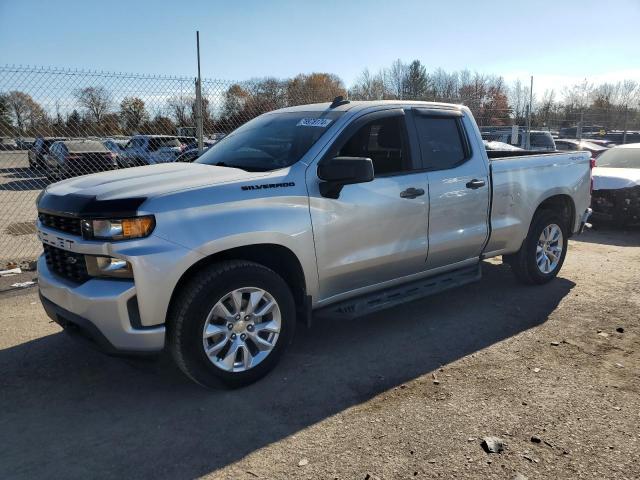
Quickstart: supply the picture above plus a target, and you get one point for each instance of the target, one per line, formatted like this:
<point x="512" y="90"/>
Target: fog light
<point x="108" y="267"/>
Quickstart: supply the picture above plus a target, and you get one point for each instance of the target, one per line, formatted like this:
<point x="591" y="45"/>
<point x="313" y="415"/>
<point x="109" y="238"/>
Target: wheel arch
<point x="562" y="204"/>
<point x="276" y="257"/>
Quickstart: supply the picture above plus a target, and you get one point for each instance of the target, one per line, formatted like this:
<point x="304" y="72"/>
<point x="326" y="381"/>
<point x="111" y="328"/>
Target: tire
<point x="524" y="263"/>
<point x="192" y="310"/>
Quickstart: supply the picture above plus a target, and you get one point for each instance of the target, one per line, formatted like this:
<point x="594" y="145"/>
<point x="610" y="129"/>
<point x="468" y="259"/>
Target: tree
<point x="24" y="110"/>
<point x="160" y="125"/>
<point x="235" y="99"/>
<point x="368" y="86"/>
<point x="74" y="122"/>
<point x="416" y="83"/>
<point x="180" y="107"/>
<point x="395" y="79"/>
<point x="314" y="88"/>
<point x="96" y="100"/>
<point x="5" y="118"/>
<point x="132" y="113"/>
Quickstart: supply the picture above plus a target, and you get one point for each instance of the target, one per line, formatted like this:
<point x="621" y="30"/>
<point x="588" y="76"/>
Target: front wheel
<point x="543" y="251"/>
<point x="231" y="323"/>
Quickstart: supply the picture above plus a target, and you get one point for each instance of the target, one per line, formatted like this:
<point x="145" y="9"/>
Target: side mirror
<point x="337" y="172"/>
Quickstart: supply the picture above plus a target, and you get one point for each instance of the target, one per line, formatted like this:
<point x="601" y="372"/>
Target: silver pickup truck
<point x="334" y="209"/>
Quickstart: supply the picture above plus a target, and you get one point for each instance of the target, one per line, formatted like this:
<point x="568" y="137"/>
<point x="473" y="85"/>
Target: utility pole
<point x="199" y="128"/>
<point x="580" y="124"/>
<point x="527" y="144"/>
<point x="624" y="135"/>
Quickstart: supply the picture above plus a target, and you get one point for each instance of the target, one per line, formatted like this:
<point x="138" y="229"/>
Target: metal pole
<point x="624" y="135"/>
<point x="579" y="129"/>
<point x="527" y="144"/>
<point x="199" y="99"/>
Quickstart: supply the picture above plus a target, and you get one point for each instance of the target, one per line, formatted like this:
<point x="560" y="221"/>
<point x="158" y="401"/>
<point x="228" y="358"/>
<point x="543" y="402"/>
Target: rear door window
<point x="442" y="144"/>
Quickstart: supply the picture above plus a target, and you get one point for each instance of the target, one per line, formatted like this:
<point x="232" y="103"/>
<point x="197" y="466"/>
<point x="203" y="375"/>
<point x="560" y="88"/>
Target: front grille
<point x="69" y="265"/>
<point x="69" y="225"/>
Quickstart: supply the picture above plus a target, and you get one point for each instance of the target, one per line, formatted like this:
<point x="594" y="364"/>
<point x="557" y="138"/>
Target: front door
<point x="376" y="231"/>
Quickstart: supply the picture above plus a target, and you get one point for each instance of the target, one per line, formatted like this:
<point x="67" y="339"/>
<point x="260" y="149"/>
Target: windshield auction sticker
<point x="313" y="122"/>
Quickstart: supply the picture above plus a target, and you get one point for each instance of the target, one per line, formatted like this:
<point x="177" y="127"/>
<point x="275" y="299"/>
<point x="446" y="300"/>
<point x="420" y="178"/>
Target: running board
<point x="407" y="292"/>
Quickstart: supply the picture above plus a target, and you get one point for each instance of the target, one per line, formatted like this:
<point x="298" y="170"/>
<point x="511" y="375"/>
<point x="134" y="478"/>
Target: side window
<point x="383" y="141"/>
<point x="441" y="141"/>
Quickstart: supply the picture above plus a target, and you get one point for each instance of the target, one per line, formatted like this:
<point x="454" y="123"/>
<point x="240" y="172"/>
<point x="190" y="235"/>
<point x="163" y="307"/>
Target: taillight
<point x="592" y="164"/>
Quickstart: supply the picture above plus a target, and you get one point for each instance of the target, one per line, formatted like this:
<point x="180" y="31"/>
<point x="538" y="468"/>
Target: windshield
<point x="620" y="158"/>
<point x="271" y="141"/>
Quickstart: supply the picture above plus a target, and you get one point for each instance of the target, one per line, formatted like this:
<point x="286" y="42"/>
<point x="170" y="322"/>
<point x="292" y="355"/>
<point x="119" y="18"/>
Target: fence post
<point x="199" y="129"/>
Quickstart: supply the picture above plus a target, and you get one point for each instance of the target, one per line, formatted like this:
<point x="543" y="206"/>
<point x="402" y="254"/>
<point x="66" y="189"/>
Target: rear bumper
<point x="103" y="311"/>
<point x="585" y="218"/>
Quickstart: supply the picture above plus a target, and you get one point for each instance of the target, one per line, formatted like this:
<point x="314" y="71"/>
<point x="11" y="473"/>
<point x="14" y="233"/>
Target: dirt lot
<point x="357" y="400"/>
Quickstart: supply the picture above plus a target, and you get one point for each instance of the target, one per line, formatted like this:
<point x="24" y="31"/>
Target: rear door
<point x="458" y="186"/>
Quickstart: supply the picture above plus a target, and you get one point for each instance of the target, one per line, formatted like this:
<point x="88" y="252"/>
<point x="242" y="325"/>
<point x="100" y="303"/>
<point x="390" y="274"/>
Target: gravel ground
<point x="403" y="394"/>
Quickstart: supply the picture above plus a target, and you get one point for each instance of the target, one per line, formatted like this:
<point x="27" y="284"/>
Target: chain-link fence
<point x="56" y="124"/>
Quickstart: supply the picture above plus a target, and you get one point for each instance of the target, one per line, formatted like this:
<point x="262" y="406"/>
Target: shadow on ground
<point x="608" y="234"/>
<point x="70" y="412"/>
<point x="29" y="179"/>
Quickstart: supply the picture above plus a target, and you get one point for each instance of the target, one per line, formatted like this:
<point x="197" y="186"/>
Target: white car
<point x="616" y="185"/>
<point x="151" y="149"/>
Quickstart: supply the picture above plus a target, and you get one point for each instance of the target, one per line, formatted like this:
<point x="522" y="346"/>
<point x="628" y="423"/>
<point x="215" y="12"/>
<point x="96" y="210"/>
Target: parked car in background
<point x="587" y="130"/>
<point x="540" y="140"/>
<point x="188" y="141"/>
<point x="500" y="146"/>
<point x="40" y="149"/>
<point x="7" y="143"/>
<point x="570" y="144"/>
<point x="616" y="185"/>
<point x="151" y="149"/>
<point x="191" y="155"/>
<point x="601" y="142"/>
<point x="117" y="146"/>
<point x="25" y="143"/>
<point x="70" y="158"/>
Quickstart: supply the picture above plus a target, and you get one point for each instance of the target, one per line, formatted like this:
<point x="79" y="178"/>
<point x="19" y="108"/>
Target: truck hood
<point x="149" y="181"/>
<point x="615" y="178"/>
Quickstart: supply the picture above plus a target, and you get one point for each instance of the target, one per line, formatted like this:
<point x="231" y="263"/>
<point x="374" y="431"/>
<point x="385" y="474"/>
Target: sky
<point x="558" y="42"/>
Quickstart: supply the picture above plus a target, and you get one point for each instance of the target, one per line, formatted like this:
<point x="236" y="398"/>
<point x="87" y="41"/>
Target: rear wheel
<point x="231" y="323"/>
<point x="543" y="251"/>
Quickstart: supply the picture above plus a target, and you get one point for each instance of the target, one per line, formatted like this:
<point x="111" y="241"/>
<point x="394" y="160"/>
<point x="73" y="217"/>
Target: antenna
<point x="339" y="100"/>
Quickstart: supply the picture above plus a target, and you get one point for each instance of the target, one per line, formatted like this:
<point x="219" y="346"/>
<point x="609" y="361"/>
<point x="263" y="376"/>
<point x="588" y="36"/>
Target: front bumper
<point x="105" y="311"/>
<point x="621" y="206"/>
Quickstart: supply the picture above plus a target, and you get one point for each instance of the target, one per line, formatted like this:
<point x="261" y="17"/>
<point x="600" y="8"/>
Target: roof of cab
<point x="363" y="105"/>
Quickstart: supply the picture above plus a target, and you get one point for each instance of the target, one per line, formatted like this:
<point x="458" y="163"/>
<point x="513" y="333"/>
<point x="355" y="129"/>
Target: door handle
<point x="412" y="192"/>
<point x="475" y="183"/>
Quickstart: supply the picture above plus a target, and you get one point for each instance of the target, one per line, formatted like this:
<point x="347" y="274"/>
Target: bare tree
<point x="395" y="78"/>
<point x="180" y="107"/>
<point x="24" y="110"/>
<point x="368" y="86"/>
<point x="96" y="101"/>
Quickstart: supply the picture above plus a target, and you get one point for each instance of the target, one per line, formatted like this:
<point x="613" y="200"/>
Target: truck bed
<point x="521" y="181"/>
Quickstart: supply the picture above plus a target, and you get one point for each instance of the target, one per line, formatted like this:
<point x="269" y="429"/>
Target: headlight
<point x="120" y="229"/>
<point x="108" y="267"/>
